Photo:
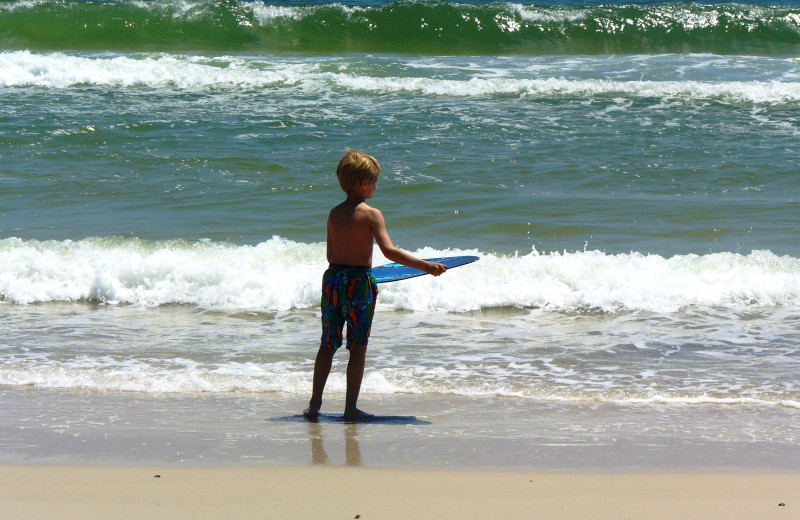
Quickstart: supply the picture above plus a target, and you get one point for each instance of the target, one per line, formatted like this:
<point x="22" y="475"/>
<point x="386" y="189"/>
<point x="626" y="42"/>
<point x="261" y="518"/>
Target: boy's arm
<point x="395" y="254"/>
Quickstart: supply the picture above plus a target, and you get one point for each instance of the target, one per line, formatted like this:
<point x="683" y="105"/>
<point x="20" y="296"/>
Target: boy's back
<point x="350" y="235"/>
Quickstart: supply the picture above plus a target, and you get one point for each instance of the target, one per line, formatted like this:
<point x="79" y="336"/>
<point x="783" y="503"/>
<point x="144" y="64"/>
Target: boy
<point x="349" y="291"/>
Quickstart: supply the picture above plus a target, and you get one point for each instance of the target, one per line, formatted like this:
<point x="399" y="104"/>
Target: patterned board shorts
<point x="349" y="295"/>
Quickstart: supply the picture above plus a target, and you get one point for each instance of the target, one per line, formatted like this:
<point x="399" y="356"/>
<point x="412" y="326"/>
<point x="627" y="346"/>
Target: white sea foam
<point x="57" y="70"/>
<point x="274" y="275"/>
<point x="183" y="376"/>
<point x="60" y="70"/>
<point x="265" y="14"/>
<point x="530" y="13"/>
<point x="280" y="274"/>
<point x="21" y="4"/>
<point x="189" y="376"/>
<point x="739" y="91"/>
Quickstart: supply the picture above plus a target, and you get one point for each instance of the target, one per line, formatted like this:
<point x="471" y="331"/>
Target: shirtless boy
<point x="349" y="290"/>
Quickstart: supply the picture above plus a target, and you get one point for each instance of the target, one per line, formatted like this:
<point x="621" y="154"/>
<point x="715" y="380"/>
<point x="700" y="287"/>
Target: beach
<point x="96" y="455"/>
<point x="332" y="492"/>
<point x="626" y="345"/>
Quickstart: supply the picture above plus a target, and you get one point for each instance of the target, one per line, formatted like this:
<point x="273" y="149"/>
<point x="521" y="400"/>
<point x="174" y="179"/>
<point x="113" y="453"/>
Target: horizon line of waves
<point x="414" y="27"/>
<point x="279" y="275"/>
<point x="182" y="72"/>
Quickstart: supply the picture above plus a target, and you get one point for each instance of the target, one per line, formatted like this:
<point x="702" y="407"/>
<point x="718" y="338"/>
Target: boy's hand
<point x="435" y="268"/>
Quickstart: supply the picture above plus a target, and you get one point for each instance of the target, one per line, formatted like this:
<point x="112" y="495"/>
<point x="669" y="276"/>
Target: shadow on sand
<point x="365" y="419"/>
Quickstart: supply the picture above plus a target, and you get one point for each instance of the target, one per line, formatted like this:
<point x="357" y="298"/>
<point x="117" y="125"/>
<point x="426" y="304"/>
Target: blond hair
<point x="354" y="167"/>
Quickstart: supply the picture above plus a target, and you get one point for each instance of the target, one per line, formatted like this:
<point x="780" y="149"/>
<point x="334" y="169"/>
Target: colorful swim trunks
<point x="349" y="295"/>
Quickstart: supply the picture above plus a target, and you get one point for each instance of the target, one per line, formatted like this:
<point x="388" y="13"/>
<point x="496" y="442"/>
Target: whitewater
<point x="281" y="275"/>
<point x="461" y="78"/>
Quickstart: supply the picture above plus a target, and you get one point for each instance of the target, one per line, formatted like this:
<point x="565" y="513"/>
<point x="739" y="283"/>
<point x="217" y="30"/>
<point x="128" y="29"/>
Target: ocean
<point x="628" y="174"/>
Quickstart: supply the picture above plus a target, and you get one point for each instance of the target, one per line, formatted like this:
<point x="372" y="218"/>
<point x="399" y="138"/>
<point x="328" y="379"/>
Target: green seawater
<point x="408" y="26"/>
<point x="666" y="154"/>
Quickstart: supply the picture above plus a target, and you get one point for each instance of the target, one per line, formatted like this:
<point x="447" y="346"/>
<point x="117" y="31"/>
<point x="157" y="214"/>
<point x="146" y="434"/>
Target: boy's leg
<point x="332" y="325"/>
<point x="358" y="330"/>
<point x="322" y="368"/>
<point x="355" y="373"/>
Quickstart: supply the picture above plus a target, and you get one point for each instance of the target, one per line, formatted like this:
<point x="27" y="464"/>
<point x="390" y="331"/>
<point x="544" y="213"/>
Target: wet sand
<point x="129" y="429"/>
<point x="127" y="456"/>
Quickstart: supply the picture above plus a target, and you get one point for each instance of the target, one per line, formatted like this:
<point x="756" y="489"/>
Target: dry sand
<point x="313" y="492"/>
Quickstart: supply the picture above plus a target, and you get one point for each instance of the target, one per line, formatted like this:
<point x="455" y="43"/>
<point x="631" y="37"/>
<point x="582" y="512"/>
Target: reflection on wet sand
<point x="352" y="450"/>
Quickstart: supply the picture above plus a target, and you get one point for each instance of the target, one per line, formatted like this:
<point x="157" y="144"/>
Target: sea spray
<point x="301" y="77"/>
<point x="280" y="274"/>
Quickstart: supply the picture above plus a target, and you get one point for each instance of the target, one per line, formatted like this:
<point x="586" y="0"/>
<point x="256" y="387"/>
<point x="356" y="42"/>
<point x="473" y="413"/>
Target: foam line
<point x="280" y="274"/>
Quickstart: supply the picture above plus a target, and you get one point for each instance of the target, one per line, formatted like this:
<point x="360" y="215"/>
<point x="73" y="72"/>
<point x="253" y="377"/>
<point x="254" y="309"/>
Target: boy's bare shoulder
<point x="370" y="210"/>
<point x="347" y="210"/>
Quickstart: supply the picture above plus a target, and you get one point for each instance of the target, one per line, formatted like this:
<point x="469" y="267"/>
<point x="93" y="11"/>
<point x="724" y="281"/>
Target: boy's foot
<point x="312" y="412"/>
<point x="357" y="416"/>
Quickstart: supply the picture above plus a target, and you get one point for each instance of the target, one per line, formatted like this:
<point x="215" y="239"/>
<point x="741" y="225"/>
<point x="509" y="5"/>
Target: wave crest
<point x="409" y="26"/>
<point x="280" y="274"/>
<point x="185" y="72"/>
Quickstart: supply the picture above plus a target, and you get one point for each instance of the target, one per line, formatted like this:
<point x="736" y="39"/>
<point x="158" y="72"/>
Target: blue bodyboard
<point x="393" y="272"/>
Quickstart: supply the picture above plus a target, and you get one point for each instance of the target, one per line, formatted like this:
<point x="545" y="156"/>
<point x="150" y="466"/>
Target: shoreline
<point x="128" y="429"/>
<point x="88" y="492"/>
